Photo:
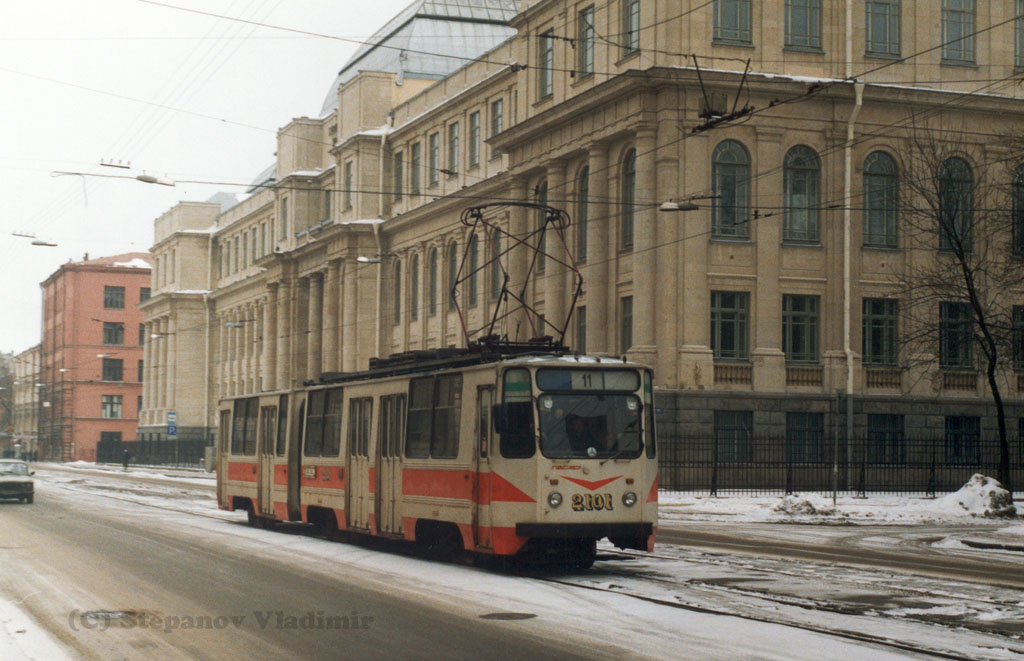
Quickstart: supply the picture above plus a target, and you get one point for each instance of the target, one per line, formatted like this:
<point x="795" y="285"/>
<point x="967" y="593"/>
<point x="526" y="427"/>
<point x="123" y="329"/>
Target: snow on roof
<point x="135" y="263"/>
<point x="365" y="221"/>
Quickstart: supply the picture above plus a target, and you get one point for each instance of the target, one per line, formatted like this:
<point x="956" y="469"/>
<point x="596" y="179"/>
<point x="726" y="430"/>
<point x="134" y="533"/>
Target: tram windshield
<point x="584" y="425"/>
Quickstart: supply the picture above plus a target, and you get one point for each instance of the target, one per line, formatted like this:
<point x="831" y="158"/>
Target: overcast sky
<point x="178" y="94"/>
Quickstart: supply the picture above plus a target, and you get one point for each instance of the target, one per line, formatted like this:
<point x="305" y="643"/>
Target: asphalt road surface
<point x="119" y="583"/>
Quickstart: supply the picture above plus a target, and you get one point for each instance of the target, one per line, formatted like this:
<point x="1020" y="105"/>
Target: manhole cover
<point x="508" y="616"/>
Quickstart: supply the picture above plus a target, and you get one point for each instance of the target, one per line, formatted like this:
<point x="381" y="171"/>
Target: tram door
<point x="268" y="434"/>
<point x="223" y="446"/>
<point x="358" y="498"/>
<point x="482" y="482"/>
<point x="389" y="463"/>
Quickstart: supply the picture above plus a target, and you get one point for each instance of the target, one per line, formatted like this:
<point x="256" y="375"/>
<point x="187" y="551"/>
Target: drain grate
<point x="508" y="616"/>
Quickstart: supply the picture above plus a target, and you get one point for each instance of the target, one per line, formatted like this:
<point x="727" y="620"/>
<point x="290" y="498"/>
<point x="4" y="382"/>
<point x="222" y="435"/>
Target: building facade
<point x="773" y="308"/>
<point x="26" y="400"/>
<point x="91" y="355"/>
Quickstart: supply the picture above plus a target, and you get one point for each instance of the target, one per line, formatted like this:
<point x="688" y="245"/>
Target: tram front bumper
<point x="623" y="535"/>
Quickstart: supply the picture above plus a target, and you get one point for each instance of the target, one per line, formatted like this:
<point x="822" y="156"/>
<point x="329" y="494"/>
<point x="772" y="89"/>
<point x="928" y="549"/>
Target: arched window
<point x="628" y="198"/>
<point x="880" y="198"/>
<point x="414" y="288"/>
<point x="1018" y="210"/>
<point x="497" y="276"/>
<point x="955" y="203"/>
<point x="474" y="262"/>
<point x="432" y="284"/>
<point x="398" y="293"/>
<point x="541" y="193"/>
<point x="730" y="183"/>
<point x="453" y="272"/>
<point x="801" y="181"/>
<point x="582" y="212"/>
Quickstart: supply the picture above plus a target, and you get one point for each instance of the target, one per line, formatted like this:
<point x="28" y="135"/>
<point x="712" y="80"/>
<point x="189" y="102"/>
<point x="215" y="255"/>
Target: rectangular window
<point x="284" y="221"/>
<point x="498" y="118"/>
<point x="348" y="185"/>
<point x="142" y="364"/>
<point x="110" y="437"/>
<point x="434" y="158"/>
<point x="626" y="324"/>
<point x="732" y="21"/>
<point x="546" y="65"/>
<point x="803" y="23"/>
<point x="885" y="439"/>
<point x="1018" y="35"/>
<point x="113" y="298"/>
<point x="805" y="437"/>
<point x="327" y="207"/>
<point x="955" y="336"/>
<point x="880" y="318"/>
<point x="143" y="294"/>
<point x="800" y="328"/>
<point x="1018" y="338"/>
<point x="332" y="423"/>
<point x="585" y="42"/>
<point x="245" y="249"/>
<point x="963" y="440"/>
<point x="396" y="182"/>
<point x="360" y="414"/>
<point x="630" y="27"/>
<point x="263" y="237"/>
<point x="113" y="369"/>
<point x="730" y="314"/>
<point x="113" y="332"/>
<point x="733" y="436"/>
<point x="142" y="335"/>
<point x="453" y="149"/>
<point x="581" y="329"/>
<point x="236" y="252"/>
<point x="474" y="139"/>
<point x="110" y="406"/>
<point x="958" y="20"/>
<point x="882" y="27"/>
<point x="415" y="163"/>
<point x="435" y="404"/>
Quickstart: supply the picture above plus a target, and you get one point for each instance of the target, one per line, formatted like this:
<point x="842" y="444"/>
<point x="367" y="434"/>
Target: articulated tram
<point x="521" y="451"/>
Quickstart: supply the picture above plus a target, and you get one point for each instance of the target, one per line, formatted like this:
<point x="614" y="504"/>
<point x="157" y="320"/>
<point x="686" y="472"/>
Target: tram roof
<point x="414" y="362"/>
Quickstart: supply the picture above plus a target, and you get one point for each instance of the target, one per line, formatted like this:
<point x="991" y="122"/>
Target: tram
<point x="502" y="450"/>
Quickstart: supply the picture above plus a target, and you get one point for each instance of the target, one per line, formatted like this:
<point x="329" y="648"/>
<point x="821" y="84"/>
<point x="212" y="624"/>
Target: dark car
<point x="16" y="480"/>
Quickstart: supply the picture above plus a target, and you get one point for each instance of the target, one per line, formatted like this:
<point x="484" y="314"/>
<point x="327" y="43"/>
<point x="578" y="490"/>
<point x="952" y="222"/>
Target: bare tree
<point x="964" y="266"/>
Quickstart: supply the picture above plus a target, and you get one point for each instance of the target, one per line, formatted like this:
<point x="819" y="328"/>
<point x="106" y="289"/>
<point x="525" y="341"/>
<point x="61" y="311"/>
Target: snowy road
<point x="96" y="552"/>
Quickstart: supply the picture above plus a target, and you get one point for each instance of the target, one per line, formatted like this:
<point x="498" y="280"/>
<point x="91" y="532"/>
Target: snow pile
<point x="981" y="496"/>
<point x="796" y="504"/>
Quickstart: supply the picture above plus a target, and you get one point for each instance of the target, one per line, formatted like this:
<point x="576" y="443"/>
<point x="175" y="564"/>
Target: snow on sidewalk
<point x="21" y="639"/>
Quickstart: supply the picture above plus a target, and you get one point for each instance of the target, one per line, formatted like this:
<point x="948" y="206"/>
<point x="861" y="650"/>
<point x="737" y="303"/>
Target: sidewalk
<point x="21" y="639"/>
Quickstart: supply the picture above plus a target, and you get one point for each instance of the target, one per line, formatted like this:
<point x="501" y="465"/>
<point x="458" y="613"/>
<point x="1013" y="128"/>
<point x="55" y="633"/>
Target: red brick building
<point x="91" y="355"/>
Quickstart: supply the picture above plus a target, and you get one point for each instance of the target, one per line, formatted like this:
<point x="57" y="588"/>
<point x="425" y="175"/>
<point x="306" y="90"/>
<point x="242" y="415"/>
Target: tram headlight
<point x="629" y="499"/>
<point x="554" y="499"/>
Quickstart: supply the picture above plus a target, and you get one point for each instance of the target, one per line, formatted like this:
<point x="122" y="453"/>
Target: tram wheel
<point x="250" y="515"/>
<point x="586" y="554"/>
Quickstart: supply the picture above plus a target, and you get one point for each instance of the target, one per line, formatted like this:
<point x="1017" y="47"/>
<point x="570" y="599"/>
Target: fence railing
<point x="890" y="463"/>
<point x="179" y="453"/>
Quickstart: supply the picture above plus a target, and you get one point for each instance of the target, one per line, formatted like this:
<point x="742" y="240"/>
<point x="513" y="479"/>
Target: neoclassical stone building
<point x="787" y="122"/>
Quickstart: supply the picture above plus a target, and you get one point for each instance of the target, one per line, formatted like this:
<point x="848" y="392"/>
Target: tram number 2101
<point x="582" y="502"/>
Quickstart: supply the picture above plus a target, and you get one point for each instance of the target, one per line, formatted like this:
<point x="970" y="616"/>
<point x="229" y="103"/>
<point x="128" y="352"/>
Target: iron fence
<point x="741" y="464"/>
<point x="187" y="453"/>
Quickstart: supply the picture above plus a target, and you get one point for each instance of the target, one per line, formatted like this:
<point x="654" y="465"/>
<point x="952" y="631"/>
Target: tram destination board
<point x="624" y="380"/>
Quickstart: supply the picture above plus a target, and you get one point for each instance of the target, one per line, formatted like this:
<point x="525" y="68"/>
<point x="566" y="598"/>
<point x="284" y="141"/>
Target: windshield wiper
<point x="618" y="438"/>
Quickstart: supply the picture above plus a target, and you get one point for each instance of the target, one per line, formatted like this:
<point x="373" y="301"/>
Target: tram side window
<point x="238" y="427"/>
<point x="392" y="414"/>
<point x="421" y="404"/>
<point x="251" y="421"/>
<point x="282" y="425"/>
<point x="514" y="422"/>
<point x="435" y="406"/>
<point x="314" y="424"/>
<point x="360" y="411"/>
<point x="332" y="423"/>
